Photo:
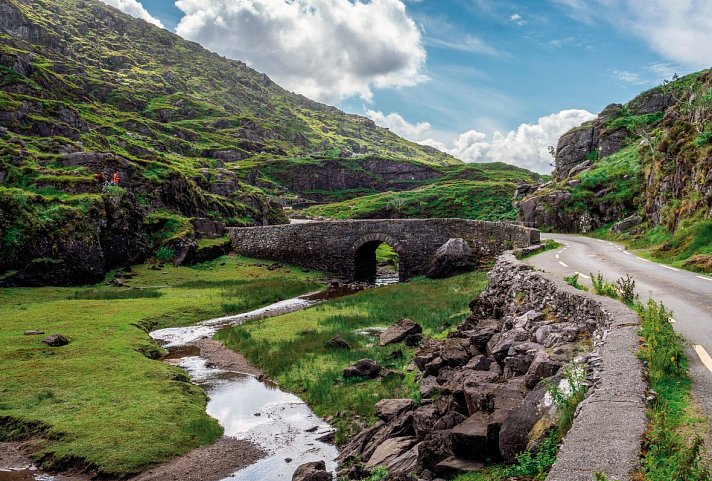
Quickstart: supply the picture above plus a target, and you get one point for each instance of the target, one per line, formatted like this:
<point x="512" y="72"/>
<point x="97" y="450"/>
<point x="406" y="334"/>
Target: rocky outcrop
<point x="626" y="224"/>
<point x="482" y="393"/>
<point x="319" y="181"/>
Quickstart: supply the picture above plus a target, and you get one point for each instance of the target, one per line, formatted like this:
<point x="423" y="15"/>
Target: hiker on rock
<point x="100" y="178"/>
<point x="115" y="180"/>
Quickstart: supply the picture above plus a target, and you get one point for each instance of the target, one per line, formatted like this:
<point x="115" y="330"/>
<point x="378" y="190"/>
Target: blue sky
<point x="473" y="77"/>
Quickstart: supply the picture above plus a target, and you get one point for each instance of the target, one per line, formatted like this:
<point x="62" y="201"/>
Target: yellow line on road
<point x="704" y="357"/>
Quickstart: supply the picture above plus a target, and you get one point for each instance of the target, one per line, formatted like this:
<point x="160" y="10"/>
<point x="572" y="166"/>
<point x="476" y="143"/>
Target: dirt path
<point x="209" y="463"/>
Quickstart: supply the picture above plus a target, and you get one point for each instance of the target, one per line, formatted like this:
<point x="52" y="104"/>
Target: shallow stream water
<point x="247" y="408"/>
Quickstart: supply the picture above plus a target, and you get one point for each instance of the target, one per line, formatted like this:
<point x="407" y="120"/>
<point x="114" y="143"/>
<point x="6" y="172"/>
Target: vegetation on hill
<point x="86" y="89"/>
<point x="468" y="191"/>
<point x="104" y="401"/>
<point x="651" y="157"/>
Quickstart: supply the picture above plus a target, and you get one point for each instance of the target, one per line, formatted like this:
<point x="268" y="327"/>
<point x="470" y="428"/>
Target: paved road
<point x="687" y="294"/>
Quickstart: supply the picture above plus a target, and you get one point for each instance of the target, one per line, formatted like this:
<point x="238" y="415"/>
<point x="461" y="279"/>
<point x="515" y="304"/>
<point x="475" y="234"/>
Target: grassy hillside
<point x="468" y="191"/>
<point x="86" y="89"/>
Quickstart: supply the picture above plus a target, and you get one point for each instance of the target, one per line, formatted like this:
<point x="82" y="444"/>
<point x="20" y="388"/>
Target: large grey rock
<point x="453" y="257"/>
<point x="387" y="409"/>
<point x="397" y="455"/>
<point x="527" y="423"/>
<point x="314" y="471"/>
<point x="399" y="331"/>
<point x="573" y="148"/>
<point x="626" y="224"/>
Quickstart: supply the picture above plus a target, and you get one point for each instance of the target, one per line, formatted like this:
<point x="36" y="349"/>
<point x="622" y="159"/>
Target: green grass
<point x="688" y="247"/>
<point x="290" y="348"/>
<point x="100" y="400"/>
<point x="466" y="199"/>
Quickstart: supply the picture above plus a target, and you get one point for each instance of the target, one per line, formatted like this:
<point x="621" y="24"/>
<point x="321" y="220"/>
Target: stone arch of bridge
<point x="362" y="255"/>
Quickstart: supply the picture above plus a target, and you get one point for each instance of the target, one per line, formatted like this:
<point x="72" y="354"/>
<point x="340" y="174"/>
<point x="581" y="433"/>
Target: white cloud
<point x="134" y="8"/>
<point x="400" y="126"/>
<point x="527" y="146"/>
<point x="629" y="77"/>
<point x="325" y="49"/>
<point x="516" y="18"/>
<point x="679" y="30"/>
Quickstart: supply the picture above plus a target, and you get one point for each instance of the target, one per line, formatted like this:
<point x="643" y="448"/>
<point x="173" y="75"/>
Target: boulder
<point x="429" y="386"/>
<point x="387" y="409"/>
<point x="452" y="466"/>
<point x="542" y="366"/>
<point x="479" y="363"/>
<point x="33" y="333"/>
<point x="480" y="335"/>
<point x="626" y="224"/>
<point x="399" y="332"/>
<point x="397" y="455"/>
<point x="314" y="471"/>
<point x="527" y="423"/>
<point x="363" y="368"/>
<point x="338" y="342"/>
<point x="453" y="257"/>
<point x="56" y="340"/>
<point x="413" y="340"/>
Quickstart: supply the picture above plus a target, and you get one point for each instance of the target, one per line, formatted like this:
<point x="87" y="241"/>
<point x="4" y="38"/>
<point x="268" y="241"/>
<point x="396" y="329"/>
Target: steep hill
<point x="649" y="162"/>
<point x="86" y="89"/>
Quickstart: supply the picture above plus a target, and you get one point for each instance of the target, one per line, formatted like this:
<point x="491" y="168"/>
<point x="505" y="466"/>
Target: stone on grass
<point x="399" y="331"/>
<point x="56" y="340"/>
<point x="387" y="409"/>
<point x="33" y="333"/>
<point x="363" y="368"/>
<point x="338" y="342"/>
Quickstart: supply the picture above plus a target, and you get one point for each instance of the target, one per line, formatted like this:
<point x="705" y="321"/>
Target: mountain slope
<point x="86" y="89"/>
<point x="650" y="161"/>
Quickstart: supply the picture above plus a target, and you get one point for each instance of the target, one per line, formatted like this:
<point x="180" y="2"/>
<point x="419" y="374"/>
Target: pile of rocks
<point x="482" y="395"/>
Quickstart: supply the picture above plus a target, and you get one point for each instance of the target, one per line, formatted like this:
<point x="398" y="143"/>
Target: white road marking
<point x="599" y="240"/>
<point x="591" y="255"/>
<point x="705" y="278"/>
<point x="641" y="259"/>
<point x="704" y="357"/>
<point x="563" y="264"/>
<point x="668" y="267"/>
<point x="556" y="256"/>
<point x="673" y="320"/>
<point x="610" y="243"/>
<point x="583" y="275"/>
<point x="562" y="250"/>
<point x="627" y="253"/>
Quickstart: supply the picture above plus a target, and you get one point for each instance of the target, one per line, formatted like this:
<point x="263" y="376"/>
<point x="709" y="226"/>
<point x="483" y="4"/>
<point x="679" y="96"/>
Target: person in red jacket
<point x="116" y="178"/>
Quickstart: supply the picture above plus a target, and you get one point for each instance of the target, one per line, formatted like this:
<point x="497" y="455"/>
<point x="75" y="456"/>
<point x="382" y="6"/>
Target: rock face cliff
<point x="651" y="157"/>
<point x="86" y="91"/>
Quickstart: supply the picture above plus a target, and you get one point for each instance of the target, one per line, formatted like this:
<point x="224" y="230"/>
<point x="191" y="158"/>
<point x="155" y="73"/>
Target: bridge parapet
<point x="332" y="246"/>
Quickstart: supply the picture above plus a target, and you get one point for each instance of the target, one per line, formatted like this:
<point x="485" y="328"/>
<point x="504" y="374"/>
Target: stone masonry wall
<point x="331" y="246"/>
<point x="608" y="430"/>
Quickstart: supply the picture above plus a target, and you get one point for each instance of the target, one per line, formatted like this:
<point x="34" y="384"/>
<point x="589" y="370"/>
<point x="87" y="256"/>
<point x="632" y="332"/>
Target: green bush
<point x="165" y="254"/>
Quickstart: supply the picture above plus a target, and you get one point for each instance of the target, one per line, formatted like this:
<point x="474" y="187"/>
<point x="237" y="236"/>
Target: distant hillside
<point x="473" y="191"/>
<point x="649" y="161"/>
<point x="86" y="89"/>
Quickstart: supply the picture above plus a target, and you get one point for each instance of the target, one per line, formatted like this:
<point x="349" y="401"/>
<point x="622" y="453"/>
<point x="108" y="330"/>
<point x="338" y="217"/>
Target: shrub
<point x="165" y="254"/>
<point x="572" y="280"/>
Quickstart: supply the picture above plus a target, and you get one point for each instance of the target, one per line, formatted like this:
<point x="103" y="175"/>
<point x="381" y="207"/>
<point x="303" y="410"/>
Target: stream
<point x="246" y="407"/>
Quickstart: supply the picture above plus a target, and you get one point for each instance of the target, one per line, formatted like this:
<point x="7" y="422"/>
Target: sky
<point x="485" y="80"/>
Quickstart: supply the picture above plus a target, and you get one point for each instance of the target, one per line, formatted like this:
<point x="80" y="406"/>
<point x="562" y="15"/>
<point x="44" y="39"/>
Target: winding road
<point x="687" y="294"/>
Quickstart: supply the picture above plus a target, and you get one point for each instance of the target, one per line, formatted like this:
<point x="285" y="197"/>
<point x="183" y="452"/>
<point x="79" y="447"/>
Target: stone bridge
<point x="348" y="248"/>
